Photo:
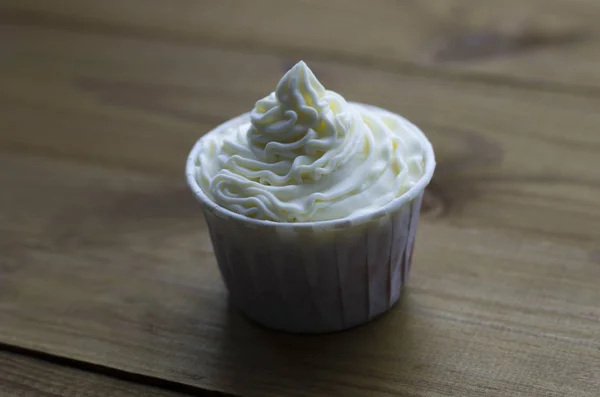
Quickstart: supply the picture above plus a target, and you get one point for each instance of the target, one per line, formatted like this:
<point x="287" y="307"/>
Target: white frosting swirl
<point x="307" y="155"/>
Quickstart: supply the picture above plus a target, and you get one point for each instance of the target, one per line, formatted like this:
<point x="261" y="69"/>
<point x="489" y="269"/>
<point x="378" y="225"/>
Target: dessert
<point x="312" y="203"/>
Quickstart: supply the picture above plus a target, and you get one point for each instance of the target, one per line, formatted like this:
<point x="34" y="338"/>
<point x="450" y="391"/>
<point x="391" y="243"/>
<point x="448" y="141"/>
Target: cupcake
<point x="312" y="203"/>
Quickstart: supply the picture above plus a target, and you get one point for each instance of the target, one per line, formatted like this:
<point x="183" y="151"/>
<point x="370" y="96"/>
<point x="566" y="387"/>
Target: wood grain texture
<point x="115" y="268"/>
<point x="553" y="43"/>
<point x="506" y="156"/>
<point x="106" y="258"/>
<point x="26" y="377"/>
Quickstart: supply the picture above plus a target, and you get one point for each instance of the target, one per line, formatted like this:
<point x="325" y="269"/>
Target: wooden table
<point x="108" y="284"/>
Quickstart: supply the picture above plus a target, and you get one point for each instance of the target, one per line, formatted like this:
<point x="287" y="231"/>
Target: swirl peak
<point x="299" y="87"/>
<point x="298" y="103"/>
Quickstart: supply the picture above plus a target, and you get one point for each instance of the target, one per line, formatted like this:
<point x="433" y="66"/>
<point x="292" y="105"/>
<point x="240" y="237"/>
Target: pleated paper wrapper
<point x="316" y="281"/>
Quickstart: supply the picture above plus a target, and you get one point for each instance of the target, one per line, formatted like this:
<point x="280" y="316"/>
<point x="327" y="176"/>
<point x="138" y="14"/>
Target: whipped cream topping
<point x="304" y="154"/>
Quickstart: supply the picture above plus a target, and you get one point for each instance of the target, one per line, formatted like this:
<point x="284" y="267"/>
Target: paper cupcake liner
<point x="320" y="281"/>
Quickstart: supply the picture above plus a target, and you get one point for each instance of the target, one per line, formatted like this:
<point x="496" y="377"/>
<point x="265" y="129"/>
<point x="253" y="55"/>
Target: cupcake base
<point x="316" y="281"/>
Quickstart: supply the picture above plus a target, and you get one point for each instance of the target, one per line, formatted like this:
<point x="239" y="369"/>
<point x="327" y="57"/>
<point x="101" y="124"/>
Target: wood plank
<point x="553" y="42"/>
<point x="115" y="268"/>
<point x="506" y="156"/>
<point x="22" y="376"/>
<point x="503" y="297"/>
